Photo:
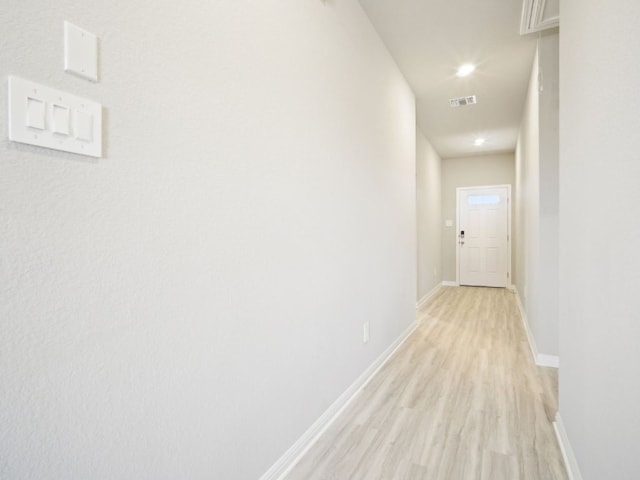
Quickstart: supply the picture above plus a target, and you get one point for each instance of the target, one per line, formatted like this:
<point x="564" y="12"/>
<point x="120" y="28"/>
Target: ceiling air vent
<point x="462" y="101"/>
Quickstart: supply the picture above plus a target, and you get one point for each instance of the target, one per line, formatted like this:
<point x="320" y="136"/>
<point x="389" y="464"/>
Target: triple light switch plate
<point x="50" y="118"/>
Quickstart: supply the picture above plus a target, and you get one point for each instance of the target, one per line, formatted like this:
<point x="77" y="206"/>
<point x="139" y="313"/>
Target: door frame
<point x="459" y="190"/>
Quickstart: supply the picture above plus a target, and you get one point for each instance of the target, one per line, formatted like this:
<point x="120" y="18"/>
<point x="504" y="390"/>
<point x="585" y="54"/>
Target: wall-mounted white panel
<point x="50" y="118"/>
<point x="80" y="52"/>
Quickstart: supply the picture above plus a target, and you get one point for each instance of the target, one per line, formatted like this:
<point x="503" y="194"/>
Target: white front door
<point x="483" y="236"/>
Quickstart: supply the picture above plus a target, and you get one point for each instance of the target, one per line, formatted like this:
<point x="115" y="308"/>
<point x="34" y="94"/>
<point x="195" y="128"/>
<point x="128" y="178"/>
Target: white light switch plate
<point x="50" y="118"/>
<point x="80" y="52"/>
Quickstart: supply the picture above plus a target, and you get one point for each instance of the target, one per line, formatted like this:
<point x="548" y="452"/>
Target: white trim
<point x="525" y="324"/>
<point x="570" y="462"/>
<point x="457" y="236"/>
<point x="532" y="17"/>
<point x="543" y="360"/>
<point x="509" y="228"/>
<point x="447" y="283"/>
<point x="425" y="299"/>
<point x="289" y="459"/>
<point x="509" y="236"/>
<point x="540" y="359"/>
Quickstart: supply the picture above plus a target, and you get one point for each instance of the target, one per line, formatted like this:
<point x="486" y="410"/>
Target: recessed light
<point x="479" y="142"/>
<point x="466" y="69"/>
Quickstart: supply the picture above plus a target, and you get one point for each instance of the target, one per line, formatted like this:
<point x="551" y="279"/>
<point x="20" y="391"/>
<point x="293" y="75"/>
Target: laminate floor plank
<point x="460" y="400"/>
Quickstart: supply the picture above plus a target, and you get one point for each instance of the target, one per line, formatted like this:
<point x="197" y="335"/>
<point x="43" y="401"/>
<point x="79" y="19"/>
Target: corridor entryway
<point x="461" y="399"/>
<point x="484" y="231"/>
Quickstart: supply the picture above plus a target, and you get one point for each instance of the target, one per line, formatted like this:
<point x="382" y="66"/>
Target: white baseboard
<point x="448" y="283"/>
<point x="287" y="461"/>
<point x="540" y="359"/>
<point x="570" y="462"/>
<point x="423" y="301"/>
<point x="543" y="360"/>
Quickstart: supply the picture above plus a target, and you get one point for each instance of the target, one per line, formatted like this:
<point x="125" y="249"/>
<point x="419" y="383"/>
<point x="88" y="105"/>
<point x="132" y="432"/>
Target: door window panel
<point x="483" y="199"/>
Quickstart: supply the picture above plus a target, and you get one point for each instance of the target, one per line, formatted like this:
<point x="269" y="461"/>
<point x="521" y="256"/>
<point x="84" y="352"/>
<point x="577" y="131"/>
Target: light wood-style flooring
<point x="460" y="400"/>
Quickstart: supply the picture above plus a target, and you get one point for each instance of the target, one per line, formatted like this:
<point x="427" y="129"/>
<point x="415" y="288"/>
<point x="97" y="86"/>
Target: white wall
<point x="428" y="172"/>
<point x="492" y="169"/>
<point x="546" y="330"/>
<point x="188" y="305"/>
<point x="599" y="235"/>
<point x="527" y="202"/>
<point x="537" y="199"/>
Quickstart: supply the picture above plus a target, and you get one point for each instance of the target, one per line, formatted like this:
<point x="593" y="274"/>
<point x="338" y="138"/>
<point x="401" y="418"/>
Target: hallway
<point x="461" y="399"/>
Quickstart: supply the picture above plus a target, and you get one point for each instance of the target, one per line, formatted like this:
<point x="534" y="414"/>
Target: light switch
<point x="60" y="122"/>
<point x="83" y="126"/>
<point x="80" y="52"/>
<point x="44" y="116"/>
<point x="448" y="223"/>
<point x="35" y="113"/>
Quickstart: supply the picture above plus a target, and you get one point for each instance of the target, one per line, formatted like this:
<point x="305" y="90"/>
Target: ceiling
<point x="430" y="39"/>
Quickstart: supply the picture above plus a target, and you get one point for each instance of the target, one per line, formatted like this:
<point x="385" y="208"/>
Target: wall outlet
<point x="365" y="331"/>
